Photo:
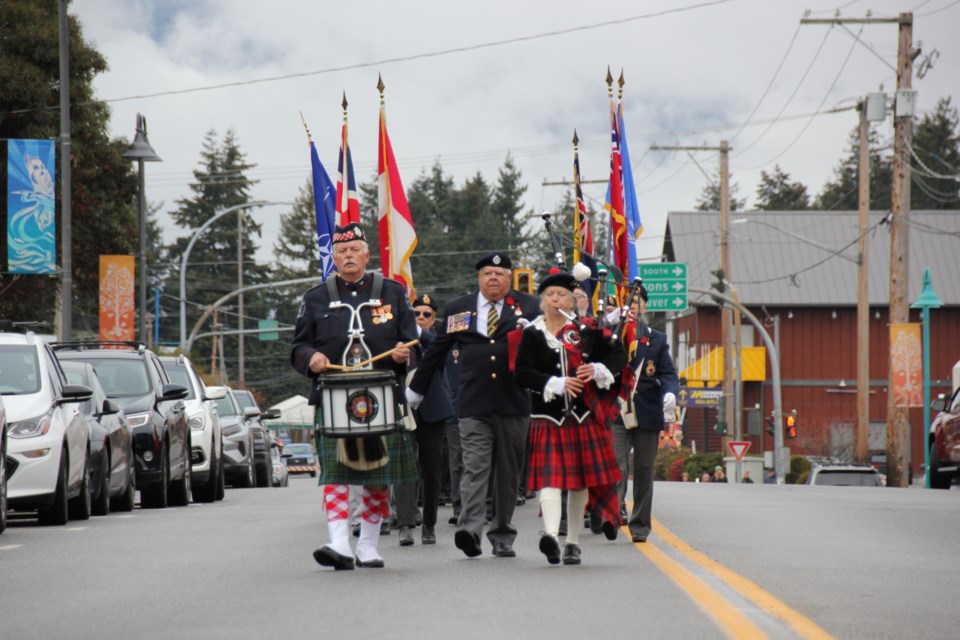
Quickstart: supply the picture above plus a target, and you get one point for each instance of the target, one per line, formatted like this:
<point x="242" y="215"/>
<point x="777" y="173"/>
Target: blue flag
<point x="630" y="205"/>
<point x="324" y="205"/>
<point x="31" y="209"/>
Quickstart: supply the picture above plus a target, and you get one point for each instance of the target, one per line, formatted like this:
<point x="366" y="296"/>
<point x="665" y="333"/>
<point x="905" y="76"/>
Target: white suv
<point x="206" y="455"/>
<point x="48" y="439"/>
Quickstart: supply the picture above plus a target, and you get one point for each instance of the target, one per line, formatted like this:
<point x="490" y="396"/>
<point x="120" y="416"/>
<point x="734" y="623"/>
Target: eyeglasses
<point x="579" y="297"/>
<point x="424" y="314"/>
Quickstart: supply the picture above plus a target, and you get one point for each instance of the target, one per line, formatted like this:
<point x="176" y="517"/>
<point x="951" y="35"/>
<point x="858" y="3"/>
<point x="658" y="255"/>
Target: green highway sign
<point x="666" y="284"/>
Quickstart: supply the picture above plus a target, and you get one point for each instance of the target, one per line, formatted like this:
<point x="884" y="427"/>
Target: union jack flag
<point x="348" y="205"/>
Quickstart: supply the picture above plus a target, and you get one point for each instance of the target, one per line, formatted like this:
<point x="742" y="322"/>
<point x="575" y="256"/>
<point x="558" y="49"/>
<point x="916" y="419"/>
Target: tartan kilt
<point x="571" y="455"/>
<point x="401" y="469"/>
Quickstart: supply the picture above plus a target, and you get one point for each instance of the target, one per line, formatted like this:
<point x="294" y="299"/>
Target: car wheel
<point x="56" y="513"/>
<point x="250" y="478"/>
<point x="937" y="480"/>
<point x="101" y="506"/>
<point x="81" y="505"/>
<point x="155" y="496"/>
<point x="221" y="481"/>
<point x="207" y="492"/>
<point x="126" y="500"/>
<point x="264" y="474"/>
<point x="180" y="491"/>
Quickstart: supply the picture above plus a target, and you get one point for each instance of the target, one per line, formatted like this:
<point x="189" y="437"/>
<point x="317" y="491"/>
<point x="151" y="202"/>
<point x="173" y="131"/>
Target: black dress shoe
<point x="596" y="524"/>
<point x="638" y="538"/>
<point x="327" y="557"/>
<point x="376" y="563"/>
<point x="571" y="554"/>
<point x="453" y="519"/>
<point x="563" y="528"/>
<point x="428" y="535"/>
<point x="609" y="530"/>
<point x="503" y="550"/>
<point x="550" y="547"/>
<point x="406" y="536"/>
<point x="468" y="542"/>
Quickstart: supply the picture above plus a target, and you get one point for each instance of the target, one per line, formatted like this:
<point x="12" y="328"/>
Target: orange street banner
<point x="117" y="288"/>
<point x="906" y="360"/>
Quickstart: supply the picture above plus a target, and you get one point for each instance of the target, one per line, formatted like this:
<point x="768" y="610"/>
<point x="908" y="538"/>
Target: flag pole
<point x="305" y="127"/>
<point x="577" y="239"/>
<point x="386" y="266"/>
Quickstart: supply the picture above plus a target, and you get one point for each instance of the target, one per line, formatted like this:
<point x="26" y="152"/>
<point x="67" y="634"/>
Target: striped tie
<point x="492" y="318"/>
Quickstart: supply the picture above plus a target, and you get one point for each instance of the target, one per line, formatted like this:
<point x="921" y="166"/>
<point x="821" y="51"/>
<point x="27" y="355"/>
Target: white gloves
<point x="669" y="402"/>
<point x="413" y="398"/>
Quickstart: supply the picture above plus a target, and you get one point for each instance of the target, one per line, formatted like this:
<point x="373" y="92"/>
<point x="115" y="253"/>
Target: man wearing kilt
<point x="322" y="339"/>
<point x="570" y="365"/>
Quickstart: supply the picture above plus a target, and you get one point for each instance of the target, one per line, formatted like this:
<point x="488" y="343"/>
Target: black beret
<point x="560" y="279"/>
<point x="425" y="301"/>
<point x="642" y="292"/>
<point x="348" y="233"/>
<point x="494" y="260"/>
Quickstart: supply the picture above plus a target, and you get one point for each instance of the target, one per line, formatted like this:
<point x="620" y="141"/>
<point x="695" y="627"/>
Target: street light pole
<point x="928" y="300"/>
<point x="141" y="151"/>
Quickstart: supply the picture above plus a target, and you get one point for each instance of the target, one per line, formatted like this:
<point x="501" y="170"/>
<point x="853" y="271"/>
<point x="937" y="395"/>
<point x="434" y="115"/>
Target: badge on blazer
<point x="458" y="322"/>
<point x="382" y="314"/>
<point x="650" y="369"/>
<point x="303" y="308"/>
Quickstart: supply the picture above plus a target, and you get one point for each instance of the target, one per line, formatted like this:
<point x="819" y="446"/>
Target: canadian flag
<point x="398" y="238"/>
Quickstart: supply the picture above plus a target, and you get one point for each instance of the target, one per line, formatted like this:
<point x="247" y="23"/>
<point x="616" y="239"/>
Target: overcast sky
<point x="469" y="82"/>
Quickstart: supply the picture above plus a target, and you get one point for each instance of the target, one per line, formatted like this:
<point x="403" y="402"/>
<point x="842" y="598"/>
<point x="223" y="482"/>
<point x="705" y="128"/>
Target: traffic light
<point x="720" y="428"/>
<point x="720" y="285"/>
<point x="771" y="425"/>
<point x="523" y="280"/>
<point x="791" y="430"/>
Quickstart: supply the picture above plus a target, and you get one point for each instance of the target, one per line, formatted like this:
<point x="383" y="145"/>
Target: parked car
<point x="845" y="475"/>
<point x="280" y="476"/>
<point x="301" y="457"/>
<point x="113" y="481"/>
<point x="944" y="441"/>
<point x="238" y="463"/>
<point x="262" y="440"/>
<point x="134" y="377"/>
<point x="3" y="467"/>
<point x="205" y="431"/>
<point x="48" y="439"/>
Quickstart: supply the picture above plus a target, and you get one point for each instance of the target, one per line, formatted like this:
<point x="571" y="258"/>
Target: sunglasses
<point x="424" y="314"/>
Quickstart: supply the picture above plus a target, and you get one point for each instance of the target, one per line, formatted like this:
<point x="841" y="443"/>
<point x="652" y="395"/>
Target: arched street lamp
<point x="141" y="151"/>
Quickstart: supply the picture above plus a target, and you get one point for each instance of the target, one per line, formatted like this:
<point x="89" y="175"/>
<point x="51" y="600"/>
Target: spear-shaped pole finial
<point x="576" y="140"/>
<point x="620" y="82"/>
<point x="609" y="83"/>
<point x="344" y="105"/>
<point x="380" y="87"/>
<point x="304" y="120"/>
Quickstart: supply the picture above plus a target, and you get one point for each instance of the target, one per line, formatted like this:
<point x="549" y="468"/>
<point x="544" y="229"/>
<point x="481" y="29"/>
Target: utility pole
<point x="240" y="355"/>
<point x="66" y="189"/>
<point x="726" y="313"/>
<point x="861" y="451"/>
<point x="898" y="419"/>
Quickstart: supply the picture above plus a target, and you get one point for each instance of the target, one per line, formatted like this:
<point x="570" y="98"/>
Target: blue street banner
<point x="31" y="207"/>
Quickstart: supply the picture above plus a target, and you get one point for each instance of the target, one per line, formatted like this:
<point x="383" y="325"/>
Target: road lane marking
<point x="803" y="626"/>
<point x="9" y="547"/>
<point x="734" y="623"/>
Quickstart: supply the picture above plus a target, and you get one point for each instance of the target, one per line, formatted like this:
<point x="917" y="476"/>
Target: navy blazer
<point x="656" y="376"/>
<point x="437" y="405"/>
<point x="486" y="384"/>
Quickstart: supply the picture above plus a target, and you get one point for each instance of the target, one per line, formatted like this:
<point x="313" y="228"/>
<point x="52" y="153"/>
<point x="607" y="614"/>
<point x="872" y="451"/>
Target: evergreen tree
<point x="212" y="272"/>
<point x="777" y="193"/>
<point x="841" y="193"/>
<point x="936" y="168"/>
<point x="296" y="250"/>
<point x="103" y="185"/>
<point x="710" y="196"/>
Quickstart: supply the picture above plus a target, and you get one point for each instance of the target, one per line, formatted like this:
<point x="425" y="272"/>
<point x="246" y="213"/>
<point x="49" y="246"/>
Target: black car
<point x="262" y="440"/>
<point x="133" y="375"/>
<point x="113" y="483"/>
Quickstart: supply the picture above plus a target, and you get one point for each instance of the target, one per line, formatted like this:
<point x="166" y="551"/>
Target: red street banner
<point x="906" y="364"/>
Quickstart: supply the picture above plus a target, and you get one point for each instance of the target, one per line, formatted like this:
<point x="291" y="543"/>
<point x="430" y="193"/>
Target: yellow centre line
<point x="803" y="626"/>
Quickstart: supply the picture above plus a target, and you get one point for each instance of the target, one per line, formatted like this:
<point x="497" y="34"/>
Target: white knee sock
<point x="551" y="508"/>
<point x="576" y="503"/>
<point x="369" y="541"/>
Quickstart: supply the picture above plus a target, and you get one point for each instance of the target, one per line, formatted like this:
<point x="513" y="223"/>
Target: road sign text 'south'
<point x="666" y="284"/>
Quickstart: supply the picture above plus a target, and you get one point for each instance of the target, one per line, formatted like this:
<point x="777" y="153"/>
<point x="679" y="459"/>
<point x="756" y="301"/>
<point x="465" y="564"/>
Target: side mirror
<point x="75" y="393"/>
<point x="215" y="393"/>
<point x="270" y="414"/>
<point x="251" y="412"/>
<point x="940" y="404"/>
<point x="110" y="407"/>
<point x="174" y="392"/>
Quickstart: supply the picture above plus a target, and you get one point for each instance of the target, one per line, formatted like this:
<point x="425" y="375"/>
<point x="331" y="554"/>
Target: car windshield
<point x="179" y="375"/>
<point x="19" y="370"/>
<point x="298" y="449"/>
<point x="226" y="407"/>
<point x="122" y="377"/>
<point x="847" y="478"/>
<point x="245" y="400"/>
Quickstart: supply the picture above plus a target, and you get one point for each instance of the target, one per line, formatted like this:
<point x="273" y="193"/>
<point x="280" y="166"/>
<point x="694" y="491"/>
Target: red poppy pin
<point x="644" y="340"/>
<point x="509" y="301"/>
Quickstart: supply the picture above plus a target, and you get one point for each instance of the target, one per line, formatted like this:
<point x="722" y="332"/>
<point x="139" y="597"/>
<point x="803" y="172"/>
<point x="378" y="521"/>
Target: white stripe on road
<point x="8" y="547"/>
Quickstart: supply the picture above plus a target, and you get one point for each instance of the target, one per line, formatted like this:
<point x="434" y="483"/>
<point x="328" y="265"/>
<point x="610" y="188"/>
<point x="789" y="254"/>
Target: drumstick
<point x="384" y="354"/>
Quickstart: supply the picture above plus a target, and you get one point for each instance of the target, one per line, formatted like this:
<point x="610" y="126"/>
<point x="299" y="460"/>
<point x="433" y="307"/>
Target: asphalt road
<point x="779" y="562"/>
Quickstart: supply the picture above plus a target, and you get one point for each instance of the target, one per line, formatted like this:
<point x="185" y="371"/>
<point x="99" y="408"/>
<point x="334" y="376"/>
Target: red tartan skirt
<point x="571" y="455"/>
